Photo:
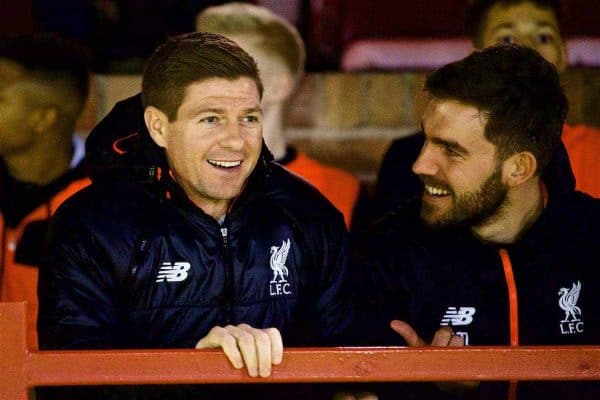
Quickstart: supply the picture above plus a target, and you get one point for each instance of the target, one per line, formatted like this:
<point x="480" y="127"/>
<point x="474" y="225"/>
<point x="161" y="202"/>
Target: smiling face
<point x="215" y="141"/>
<point x="528" y="25"/>
<point x="459" y="167"/>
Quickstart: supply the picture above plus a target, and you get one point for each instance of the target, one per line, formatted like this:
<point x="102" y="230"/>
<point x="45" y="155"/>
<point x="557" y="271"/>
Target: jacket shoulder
<point x="114" y="206"/>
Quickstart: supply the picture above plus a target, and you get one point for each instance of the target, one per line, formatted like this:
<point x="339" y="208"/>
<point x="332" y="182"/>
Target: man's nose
<point x="425" y="164"/>
<point x="232" y="136"/>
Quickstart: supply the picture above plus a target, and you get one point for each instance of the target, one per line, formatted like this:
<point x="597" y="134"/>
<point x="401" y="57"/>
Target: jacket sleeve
<point x="77" y="291"/>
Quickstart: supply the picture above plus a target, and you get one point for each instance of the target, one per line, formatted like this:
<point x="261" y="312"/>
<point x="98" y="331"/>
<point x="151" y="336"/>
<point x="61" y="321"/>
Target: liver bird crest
<point x="568" y="301"/>
<point x="277" y="261"/>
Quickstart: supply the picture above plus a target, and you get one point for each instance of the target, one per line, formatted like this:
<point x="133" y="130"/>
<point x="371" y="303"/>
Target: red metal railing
<point x="22" y="369"/>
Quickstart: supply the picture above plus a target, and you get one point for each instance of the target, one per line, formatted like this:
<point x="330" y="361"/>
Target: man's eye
<point x="251" y="119"/>
<point x="451" y="152"/>
<point x="545" y="38"/>
<point x="210" y="120"/>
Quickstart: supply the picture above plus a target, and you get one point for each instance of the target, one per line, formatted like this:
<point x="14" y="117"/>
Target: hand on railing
<point x="258" y="349"/>
<point x="443" y="337"/>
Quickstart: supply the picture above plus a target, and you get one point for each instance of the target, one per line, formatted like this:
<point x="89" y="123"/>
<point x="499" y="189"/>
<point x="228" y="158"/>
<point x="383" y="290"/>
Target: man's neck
<point x="216" y="210"/>
<point x="523" y="206"/>
<point x="273" y="131"/>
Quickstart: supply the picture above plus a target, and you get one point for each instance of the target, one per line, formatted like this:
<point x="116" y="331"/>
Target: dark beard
<point x="473" y="208"/>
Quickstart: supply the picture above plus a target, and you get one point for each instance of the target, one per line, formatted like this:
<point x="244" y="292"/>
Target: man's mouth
<point x="225" y="164"/>
<point x="436" y="191"/>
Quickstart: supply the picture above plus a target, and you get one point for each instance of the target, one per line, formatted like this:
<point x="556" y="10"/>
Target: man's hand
<point x="443" y="337"/>
<point x="258" y="349"/>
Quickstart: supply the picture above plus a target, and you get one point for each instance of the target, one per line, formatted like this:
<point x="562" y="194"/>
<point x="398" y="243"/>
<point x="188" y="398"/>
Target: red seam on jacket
<point x="116" y="143"/>
<point x="513" y="301"/>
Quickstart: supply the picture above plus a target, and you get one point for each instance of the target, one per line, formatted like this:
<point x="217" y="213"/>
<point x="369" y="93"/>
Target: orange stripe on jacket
<point x="513" y="301"/>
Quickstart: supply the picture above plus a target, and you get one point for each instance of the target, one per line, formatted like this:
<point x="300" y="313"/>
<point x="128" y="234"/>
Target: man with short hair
<point x="43" y="88"/>
<point x="196" y="238"/>
<point x="490" y="255"/>
<point x="279" y="52"/>
<point x="532" y="23"/>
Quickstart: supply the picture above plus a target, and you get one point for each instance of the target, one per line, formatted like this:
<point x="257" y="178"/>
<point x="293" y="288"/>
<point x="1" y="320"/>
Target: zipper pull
<point x="224" y="235"/>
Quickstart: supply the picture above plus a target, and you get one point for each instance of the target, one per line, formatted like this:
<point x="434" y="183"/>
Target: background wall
<point x="348" y="119"/>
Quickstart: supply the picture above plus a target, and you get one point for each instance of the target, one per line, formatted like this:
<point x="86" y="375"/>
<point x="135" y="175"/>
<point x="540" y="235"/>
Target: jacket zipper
<point x="138" y="258"/>
<point x="228" y="289"/>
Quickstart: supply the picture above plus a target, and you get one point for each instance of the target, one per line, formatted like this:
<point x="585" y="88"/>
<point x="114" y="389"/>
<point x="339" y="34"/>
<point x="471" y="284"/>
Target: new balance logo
<point x="173" y="272"/>
<point x="462" y="316"/>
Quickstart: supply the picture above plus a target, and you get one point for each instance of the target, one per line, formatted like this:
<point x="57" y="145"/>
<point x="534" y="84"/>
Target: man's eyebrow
<point x="539" y="24"/>
<point x="201" y="110"/>
<point x="504" y="25"/>
<point x="545" y="24"/>
<point x="451" y="144"/>
<point x="254" y="110"/>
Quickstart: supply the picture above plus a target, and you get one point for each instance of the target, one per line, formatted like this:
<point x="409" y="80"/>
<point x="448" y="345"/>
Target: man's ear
<point x="43" y="119"/>
<point x="156" y="121"/>
<point x="519" y="168"/>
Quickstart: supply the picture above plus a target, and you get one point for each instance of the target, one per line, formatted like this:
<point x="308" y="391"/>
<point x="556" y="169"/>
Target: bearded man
<point x="485" y="255"/>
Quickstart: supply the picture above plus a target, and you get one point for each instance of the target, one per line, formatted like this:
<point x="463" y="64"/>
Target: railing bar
<point x="317" y="365"/>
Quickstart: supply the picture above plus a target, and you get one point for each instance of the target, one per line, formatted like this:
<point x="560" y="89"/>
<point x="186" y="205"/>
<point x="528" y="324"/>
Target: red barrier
<point x="22" y="368"/>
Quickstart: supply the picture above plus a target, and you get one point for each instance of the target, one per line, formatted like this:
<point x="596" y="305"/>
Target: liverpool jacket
<point x="134" y="264"/>
<point x="541" y="290"/>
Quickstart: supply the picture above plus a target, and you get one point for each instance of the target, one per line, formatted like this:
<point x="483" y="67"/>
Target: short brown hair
<point x="518" y="93"/>
<point x="278" y="37"/>
<point x="185" y="59"/>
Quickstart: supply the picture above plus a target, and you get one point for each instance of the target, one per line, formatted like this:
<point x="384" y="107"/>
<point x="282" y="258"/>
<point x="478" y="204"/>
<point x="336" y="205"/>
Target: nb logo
<point x="173" y="272"/>
<point x="462" y="316"/>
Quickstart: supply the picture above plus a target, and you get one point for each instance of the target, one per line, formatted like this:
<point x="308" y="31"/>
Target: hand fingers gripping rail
<point x="258" y="349"/>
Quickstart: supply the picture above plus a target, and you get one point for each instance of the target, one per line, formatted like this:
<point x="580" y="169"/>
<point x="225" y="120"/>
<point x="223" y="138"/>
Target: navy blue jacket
<point x="432" y="278"/>
<point x="134" y="264"/>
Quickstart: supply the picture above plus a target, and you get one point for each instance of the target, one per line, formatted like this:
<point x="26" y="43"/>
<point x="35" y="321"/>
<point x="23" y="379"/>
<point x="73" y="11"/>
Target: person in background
<point x="490" y="254"/>
<point x="280" y="54"/>
<point x="533" y="23"/>
<point x="197" y="239"/>
<point x="43" y="88"/>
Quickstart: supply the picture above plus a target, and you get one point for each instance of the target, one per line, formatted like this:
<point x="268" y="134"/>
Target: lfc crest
<point x="572" y="323"/>
<point x="279" y="284"/>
